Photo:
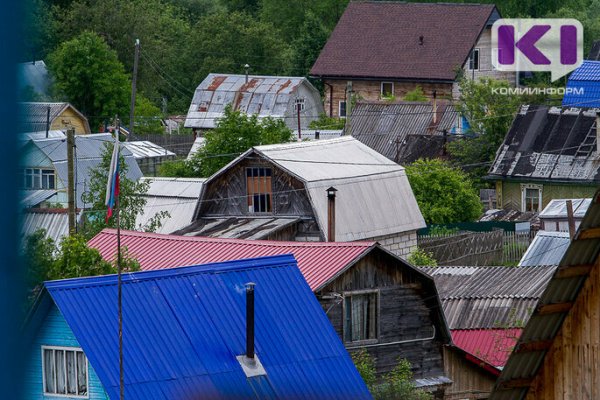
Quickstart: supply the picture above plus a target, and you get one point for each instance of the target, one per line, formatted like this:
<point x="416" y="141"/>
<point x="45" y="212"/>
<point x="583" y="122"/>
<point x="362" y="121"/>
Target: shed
<point x="554" y="216"/>
<point x="277" y="97"/>
<point x="33" y="117"/>
<point x="583" y="86"/>
<point x="182" y="344"/>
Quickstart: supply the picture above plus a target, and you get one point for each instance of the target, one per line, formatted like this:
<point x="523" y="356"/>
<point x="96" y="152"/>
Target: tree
<point x="88" y="74"/>
<point x="131" y="200"/>
<point x="235" y="133"/>
<point x="444" y="194"/>
<point x="147" y="117"/>
<point x="415" y="95"/>
<point x="422" y="258"/>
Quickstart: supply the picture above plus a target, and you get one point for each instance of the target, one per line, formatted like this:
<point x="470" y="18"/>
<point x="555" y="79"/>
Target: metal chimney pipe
<point x="331" y="214"/>
<point x="247" y="68"/>
<point x="250" y="320"/>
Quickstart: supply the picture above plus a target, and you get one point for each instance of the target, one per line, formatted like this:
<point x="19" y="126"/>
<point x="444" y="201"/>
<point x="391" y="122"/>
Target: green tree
<point x="325" y="122"/>
<point x="235" y="133"/>
<point x="589" y="16"/>
<point x="422" y="258"/>
<point x="307" y="44"/>
<point x="147" y="117"/>
<point x="444" y="194"/>
<point x="415" y="95"/>
<point x="131" y="200"/>
<point x="88" y="74"/>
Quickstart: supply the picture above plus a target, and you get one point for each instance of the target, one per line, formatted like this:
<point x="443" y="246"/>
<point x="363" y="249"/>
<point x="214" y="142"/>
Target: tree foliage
<point x="415" y="95"/>
<point x="88" y="74"/>
<point x="422" y="258"/>
<point x="444" y="194"/>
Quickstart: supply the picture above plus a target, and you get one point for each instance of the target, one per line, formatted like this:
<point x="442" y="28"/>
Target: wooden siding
<point x="54" y="331"/>
<point x="405" y="313"/>
<point x="469" y="380"/>
<point x="70" y="119"/>
<point x="571" y="369"/>
<point x="509" y="193"/>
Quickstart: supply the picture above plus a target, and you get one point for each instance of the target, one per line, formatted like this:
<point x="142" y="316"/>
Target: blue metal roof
<point x="184" y="327"/>
<point x="586" y="77"/>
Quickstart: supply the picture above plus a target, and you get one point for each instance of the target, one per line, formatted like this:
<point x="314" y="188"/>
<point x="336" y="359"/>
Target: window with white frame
<point x="360" y="316"/>
<point x="39" y="178"/>
<point x="342" y="109"/>
<point x="474" y="60"/>
<point x="299" y="104"/>
<point x="64" y="371"/>
<point x="387" y="89"/>
<point x="531" y="198"/>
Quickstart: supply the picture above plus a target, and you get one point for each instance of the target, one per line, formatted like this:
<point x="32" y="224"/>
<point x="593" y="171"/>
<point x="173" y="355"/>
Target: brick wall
<point x="401" y="244"/>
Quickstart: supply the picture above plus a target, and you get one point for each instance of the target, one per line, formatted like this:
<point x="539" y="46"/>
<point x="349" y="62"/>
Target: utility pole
<point x="133" y="88"/>
<point x="71" y="178"/>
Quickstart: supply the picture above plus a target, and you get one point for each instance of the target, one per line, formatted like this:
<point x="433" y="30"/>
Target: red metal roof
<point x="318" y="262"/>
<point x="490" y="345"/>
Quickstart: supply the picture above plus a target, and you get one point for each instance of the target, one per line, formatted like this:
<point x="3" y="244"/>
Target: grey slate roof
<point x="547" y="248"/>
<point x="403" y="132"/>
<point x="550" y="144"/>
<point x="33" y="115"/>
<point x="146" y="149"/>
<point x="488" y="297"/>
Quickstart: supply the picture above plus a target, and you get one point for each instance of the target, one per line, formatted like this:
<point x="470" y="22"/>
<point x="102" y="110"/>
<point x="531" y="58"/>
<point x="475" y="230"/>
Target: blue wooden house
<point x="188" y="334"/>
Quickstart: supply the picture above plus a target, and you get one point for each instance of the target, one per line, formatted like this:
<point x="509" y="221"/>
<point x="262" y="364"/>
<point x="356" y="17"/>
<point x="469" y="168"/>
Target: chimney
<point x="571" y="219"/>
<point x="331" y="214"/>
<point x="250" y="320"/>
<point x="434" y="107"/>
<point x="247" y="68"/>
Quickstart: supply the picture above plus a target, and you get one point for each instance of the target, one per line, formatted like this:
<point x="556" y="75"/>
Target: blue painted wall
<point x="54" y="331"/>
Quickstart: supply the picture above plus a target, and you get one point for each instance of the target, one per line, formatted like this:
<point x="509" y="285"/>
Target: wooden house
<point x="374" y="300"/>
<point x="270" y="339"/>
<point x="280" y="192"/>
<point x="558" y="354"/>
<point x="548" y="153"/>
<point x="41" y="116"/>
<point x="380" y="50"/>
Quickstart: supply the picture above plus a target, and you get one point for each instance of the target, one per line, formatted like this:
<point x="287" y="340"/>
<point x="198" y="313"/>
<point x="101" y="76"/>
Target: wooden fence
<point x="496" y="247"/>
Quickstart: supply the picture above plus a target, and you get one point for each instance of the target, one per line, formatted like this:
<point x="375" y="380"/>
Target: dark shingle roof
<point x="382" y="39"/>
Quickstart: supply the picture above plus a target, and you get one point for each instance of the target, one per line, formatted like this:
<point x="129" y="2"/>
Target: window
<point x="474" y="60"/>
<point x="531" y="198"/>
<point x="37" y="178"/>
<point x="342" y="109"/>
<point x="65" y="371"/>
<point x="387" y="89"/>
<point x="299" y="104"/>
<point x="259" y="190"/>
<point x="360" y="322"/>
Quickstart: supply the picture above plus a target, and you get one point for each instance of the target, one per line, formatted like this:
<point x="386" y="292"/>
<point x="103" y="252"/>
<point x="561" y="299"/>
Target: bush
<point x="422" y="258"/>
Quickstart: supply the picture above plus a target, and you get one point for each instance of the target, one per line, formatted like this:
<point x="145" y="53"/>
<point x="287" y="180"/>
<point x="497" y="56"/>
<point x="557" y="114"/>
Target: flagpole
<point x="119" y="284"/>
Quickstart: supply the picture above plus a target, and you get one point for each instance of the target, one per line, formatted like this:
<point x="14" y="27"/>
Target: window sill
<point x="361" y="342"/>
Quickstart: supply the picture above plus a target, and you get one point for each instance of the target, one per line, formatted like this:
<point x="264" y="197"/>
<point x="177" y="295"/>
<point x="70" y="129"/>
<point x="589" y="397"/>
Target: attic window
<point x="65" y="372"/>
<point x="474" y="60"/>
<point x="299" y="104"/>
<point x="259" y="189"/>
<point x="387" y="89"/>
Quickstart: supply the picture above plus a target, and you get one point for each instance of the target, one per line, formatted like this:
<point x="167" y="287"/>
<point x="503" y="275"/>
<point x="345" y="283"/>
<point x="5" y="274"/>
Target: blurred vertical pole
<point x="71" y="178"/>
<point x="133" y="89"/>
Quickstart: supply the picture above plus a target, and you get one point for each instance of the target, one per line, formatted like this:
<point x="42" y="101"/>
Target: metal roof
<point x="238" y="228"/>
<point x="563" y="287"/>
<point x="547" y="248"/>
<point x="557" y="208"/>
<point x="586" y="77"/>
<point x="490" y="345"/>
<point x="389" y="127"/>
<point x="374" y="197"/>
<point x="33" y="115"/>
<point x="196" y="146"/>
<point x="42" y="135"/>
<point x="184" y="327"/>
<point x="177" y="196"/>
<point x="146" y="149"/>
<point x="31" y="198"/>
<point x="54" y="221"/>
<point x="266" y="96"/>
<point x="319" y="262"/>
<point x="309" y="134"/>
<point x="550" y="144"/>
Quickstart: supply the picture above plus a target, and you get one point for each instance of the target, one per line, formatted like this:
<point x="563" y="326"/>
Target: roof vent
<point x="249" y="361"/>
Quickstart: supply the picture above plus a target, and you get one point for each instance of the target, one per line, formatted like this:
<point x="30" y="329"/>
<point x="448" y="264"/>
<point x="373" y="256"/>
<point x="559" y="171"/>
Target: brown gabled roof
<point x="382" y="40"/>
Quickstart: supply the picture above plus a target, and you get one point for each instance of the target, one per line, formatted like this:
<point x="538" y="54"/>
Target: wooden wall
<point x="571" y="369"/>
<point x="69" y="118"/>
<point x="509" y="193"/>
<point x="469" y="380"/>
<point x="405" y="312"/>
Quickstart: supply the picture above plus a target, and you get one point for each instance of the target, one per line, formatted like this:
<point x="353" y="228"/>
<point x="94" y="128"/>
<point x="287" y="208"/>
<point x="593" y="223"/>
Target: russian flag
<point x="112" y="186"/>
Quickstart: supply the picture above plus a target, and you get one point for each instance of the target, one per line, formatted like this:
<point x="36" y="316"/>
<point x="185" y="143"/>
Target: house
<point x="406" y="131"/>
<point x="583" y="86"/>
<point x="265" y="337"/>
<point x="548" y="153"/>
<point x="44" y="167"/>
<point x="278" y="97"/>
<point x="176" y="196"/>
<point x="148" y="155"/>
<point x="547" y="248"/>
<point x="374" y="299"/>
<point x="42" y="116"/>
<point x="557" y="355"/>
<point x="554" y="216"/>
<point x="34" y="80"/>
<point x="281" y="192"/>
<point x="382" y="50"/>
<point x="486" y="309"/>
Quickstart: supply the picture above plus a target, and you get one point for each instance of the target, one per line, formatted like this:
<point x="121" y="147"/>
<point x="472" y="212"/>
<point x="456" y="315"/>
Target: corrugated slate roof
<point x="563" y="287"/>
<point x="586" y="78"/>
<point x="266" y="96"/>
<point x="550" y="144"/>
<point x="490" y="345"/>
<point x="365" y="42"/>
<point x="184" y="327"/>
<point x="547" y="248"/>
<point x="389" y="127"/>
<point x="318" y="262"/>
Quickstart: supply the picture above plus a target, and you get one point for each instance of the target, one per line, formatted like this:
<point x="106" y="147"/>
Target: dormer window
<point x="299" y="104"/>
<point x="259" y="189"/>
